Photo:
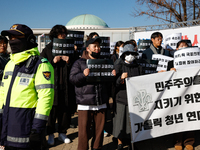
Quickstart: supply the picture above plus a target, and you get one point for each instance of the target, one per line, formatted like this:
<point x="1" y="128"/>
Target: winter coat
<point x="61" y="79"/>
<point x="133" y="70"/>
<point x="114" y="57"/>
<point x="26" y="97"/>
<point x="147" y="54"/>
<point x="88" y="93"/>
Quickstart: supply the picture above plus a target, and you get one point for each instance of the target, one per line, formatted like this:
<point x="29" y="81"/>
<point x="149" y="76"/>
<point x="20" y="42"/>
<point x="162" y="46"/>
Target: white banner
<point x="188" y="33"/>
<point x="164" y="103"/>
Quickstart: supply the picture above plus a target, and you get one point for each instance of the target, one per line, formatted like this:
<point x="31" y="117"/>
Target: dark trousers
<point x="85" y="118"/>
<point x="63" y="116"/>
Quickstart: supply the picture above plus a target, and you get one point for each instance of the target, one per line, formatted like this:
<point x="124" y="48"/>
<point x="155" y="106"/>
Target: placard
<point x="148" y="66"/>
<point x="105" y="47"/>
<point x="112" y="47"/>
<point x="187" y="57"/>
<point x="162" y="61"/>
<point x="100" y="70"/>
<point x="78" y="37"/>
<point x="63" y="46"/>
<point x="143" y="45"/>
<point x="172" y="40"/>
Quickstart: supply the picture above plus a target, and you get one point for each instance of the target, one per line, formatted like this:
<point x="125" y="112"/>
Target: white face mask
<point x="129" y="58"/>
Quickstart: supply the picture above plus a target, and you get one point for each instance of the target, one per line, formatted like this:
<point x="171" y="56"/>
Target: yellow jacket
<point x="26" y="97"/>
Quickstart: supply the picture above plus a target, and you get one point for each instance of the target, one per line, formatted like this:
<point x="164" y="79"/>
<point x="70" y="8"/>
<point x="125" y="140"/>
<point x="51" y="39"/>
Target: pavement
<point x="110" y="143"/>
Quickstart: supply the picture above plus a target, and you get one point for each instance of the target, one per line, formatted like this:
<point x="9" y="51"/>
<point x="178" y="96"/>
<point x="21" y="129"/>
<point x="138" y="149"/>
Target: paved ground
<point x="162" y="143"/>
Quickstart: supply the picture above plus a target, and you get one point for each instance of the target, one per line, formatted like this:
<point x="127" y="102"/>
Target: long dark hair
<point x="118" y="44"/>
<point x="56" y="30"/>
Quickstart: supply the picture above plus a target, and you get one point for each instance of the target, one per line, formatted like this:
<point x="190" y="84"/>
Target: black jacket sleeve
<point x="76" y="76"/>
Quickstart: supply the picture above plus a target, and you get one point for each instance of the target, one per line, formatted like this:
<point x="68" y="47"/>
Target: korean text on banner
<point x="164" y="103"/>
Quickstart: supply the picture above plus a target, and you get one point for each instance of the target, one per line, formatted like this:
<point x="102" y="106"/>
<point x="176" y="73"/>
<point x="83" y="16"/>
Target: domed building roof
<point x="86" y="21"/>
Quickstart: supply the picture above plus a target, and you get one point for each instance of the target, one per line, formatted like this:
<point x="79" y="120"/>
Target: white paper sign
<point x="112" y="47"/>
<point x="172" y="40"/>
<point x="187" y="57"/>
<point x="163" y="61"/>
<point x="164" y="103"/>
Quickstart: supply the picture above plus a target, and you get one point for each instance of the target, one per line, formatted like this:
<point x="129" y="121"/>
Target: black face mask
<point x="18" y="45"/>
<point x="95" y="55"/>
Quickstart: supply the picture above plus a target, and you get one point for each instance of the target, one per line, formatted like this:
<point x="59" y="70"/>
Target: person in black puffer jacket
<point x="127" y="67"/>
<point x="91" y="98"/>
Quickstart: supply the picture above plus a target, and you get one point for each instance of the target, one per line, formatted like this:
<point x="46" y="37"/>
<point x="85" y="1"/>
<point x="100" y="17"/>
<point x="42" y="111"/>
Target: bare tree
<point x="168" y="10"/>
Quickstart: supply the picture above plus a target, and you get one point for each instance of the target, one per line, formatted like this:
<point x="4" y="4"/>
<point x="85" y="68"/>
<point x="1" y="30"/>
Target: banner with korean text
<point x="164" y="103"/>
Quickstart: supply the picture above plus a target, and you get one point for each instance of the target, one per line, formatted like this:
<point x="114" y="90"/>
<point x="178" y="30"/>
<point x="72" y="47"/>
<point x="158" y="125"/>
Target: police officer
<point x="26" y="95"/>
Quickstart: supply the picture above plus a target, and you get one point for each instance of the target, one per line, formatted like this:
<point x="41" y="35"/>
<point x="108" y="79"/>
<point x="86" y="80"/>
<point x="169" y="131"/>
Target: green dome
<point x="87" y="19"/>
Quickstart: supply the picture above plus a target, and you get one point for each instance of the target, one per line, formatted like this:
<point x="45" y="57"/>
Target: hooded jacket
<point x="87" y="93"/>
<point x="26" y="97"/>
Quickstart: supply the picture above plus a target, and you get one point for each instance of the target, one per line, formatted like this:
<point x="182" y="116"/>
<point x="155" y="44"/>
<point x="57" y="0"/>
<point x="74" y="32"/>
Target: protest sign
<point x="143" y="45"/>
<point x="162" y="61"/>
<point x="172" y="40"/>
<point x="187" y="57"/>
<point x="100" y="70"/>
<point x="149" y="66"/>
<point x="105" y="47"/>
<point x="63" y="46"/>
<point x="164" y="103"/>
<point x="78" y="37"/>
<point x="112" y="47"/>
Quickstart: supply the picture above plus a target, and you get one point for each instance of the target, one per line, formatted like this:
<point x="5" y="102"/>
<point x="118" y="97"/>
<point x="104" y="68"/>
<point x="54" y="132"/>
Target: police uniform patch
<point x="24" y="81"/>
<point x="47" y="75"/>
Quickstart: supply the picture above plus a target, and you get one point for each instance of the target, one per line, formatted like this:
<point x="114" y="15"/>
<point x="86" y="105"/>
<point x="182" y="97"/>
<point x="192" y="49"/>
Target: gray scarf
<point x="155" y="51"/>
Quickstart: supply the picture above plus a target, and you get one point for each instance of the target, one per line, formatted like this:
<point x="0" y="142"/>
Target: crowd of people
<point x="39" y="90"/>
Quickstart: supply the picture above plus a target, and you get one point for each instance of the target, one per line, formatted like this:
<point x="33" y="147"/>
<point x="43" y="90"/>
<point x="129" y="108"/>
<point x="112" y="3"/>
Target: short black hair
<point x="3" y="38"/>
<point x="181" y="41"/>
<point x="56" y="30"/>
<point x="156" y="34"/>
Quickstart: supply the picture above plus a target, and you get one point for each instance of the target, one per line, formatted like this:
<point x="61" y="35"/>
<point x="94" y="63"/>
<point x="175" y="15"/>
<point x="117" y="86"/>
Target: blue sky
<point x="47" y="13"/>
